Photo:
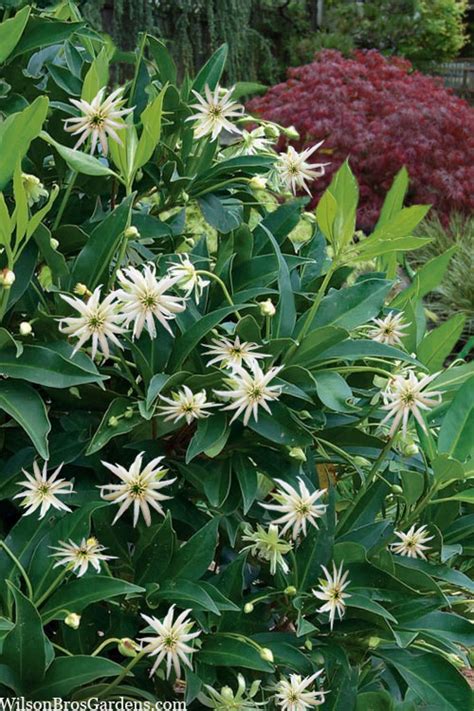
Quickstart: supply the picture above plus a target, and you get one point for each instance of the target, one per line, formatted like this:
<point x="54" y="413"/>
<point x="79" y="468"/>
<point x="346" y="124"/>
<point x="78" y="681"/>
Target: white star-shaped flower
<point x="214" y="111"/>
<point x="139" y="487"/>
<point x="143" y="297"/>
<point x="100" y="119"/>
<point x="297" y="507"/>
<point x="268" y="546"/>
<point x="187" y="278"/>
<point x="412" y="543"/>
<point x="78" y="556"/>
<point x="293" y="694"/>
<point x="249" y="391"/>
<point x="171" y="641"/>
<point x="404" y="396"/>
<point x="98" y="320"/>
<point x="185" y="403"/>
<point x="41" y="492"/>
<point x="389" y="330"/>
<point x="231" y="354"/>
<point x="294" y="170"/>
<point x="332" y="591"/>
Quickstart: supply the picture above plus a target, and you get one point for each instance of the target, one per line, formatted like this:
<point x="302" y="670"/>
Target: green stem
<point x="64" y="201"/>
<point x="104" y="644"/>
<point x="369" y="479"/>
<point x="312" y="311"/>
<point x="61" y="649"/>
<point x="132" y="380"/>
<point x="113" y="685"/>
<point x="222" y="285"/>
<point x="20" y="568"/>
<point x="52" y="587"/>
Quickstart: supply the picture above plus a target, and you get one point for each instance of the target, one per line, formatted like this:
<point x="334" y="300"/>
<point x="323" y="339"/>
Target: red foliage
<point x="382" y="115"/>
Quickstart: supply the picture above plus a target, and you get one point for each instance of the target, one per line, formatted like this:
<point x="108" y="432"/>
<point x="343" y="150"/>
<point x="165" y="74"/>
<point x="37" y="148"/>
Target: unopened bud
<point x="113" y="422"/>
<point x="92" y="541"/>
<point x="53" y="243"/>
<point x="411" y="450"/>
<point x="374" y="642"/>
<point x="271" y="131"/>
<point x="396" y="489"/>
<point x="292" y="133"/>
<point x="290" y="590"/>
<point x="72" y="620"/>
<point x="227" y="693"/>
<point x="131" y="232"/>
<point x="25" y="328"/>
<point x="297" y="453"/>
<point x="308" y="644"/>
<point x="248" y="608"/>
<point x="127" y="647"/>
<point x="81" y="289"/>
<point x="267" y="308"/>
<point x="266" y="654"/>
<point x="309" y="217"/>
<point x="258" y="183"/>
<point x="184" y="197"/>
<point x="128" y="414"/>
<point x="7" y="278"/>
<point x="361" y="462"/>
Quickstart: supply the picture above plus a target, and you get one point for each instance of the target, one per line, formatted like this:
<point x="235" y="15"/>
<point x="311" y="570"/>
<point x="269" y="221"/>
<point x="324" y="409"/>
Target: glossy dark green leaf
<point x="280" y="427"/>
<point x="24" y="644"/>
<point x="155" y="550"/>
<point x="456" y="436"/>
<point x="16" y="133"/>
<point x="193" y="558"/>
<point x="69" y="673"/>
<point x="105" y="431"/>
<point x="42" y="32"/>
<point x="438" y="343"/>
<point x="220" y="650"/>
<point x="210" y="431"/>
<point x="38" y="364"/>
<point x="23" y="403"/>
<point x="211" y="72"/>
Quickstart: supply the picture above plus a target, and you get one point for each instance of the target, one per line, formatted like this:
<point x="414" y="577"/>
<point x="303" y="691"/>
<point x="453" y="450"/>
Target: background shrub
<point x="382" y="115"/>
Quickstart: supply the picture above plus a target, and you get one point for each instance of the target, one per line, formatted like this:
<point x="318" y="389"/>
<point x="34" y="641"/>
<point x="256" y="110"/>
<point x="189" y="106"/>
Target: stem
<point x="61" y="649"/>
<point x="104" y="644"/>
<point x="20" y="568"/>
<point x="222" y="285"/>
<point x="52" y="587"/>
<point x="369" y="480"/>
<point x="312" y="311"/>
<point x="132" y="380"/>
<point x="64" y="201"/>
<point x="113" y="685"/>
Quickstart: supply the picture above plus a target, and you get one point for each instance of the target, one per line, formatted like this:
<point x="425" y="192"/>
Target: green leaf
<point x="456" y="435"/>
<point x="345" y="191"/>
<point x="43" y="32"/>
<point x="79" y="161"/>
<point x="95" y="257"/>
<point x="333" y="391"/>
<point x="157" y="548"/>
<point x="186" y="593"/>
<point x="166" y="66"/>
<point x="446" y="470"/>
<point x="69" y="673"/>
<point x="326" y="212"/>
<point x="371" y="248"/>
<point x="316" y="342"/>
<point x="280" y="427"/>
<point x="431" y="677"/>
<point x="209" y="431"/>
<point x="80" y="592"/>
<point x="285" y="317"/>
<point x="362" y="602"/>
<point x="426" y="279"/>
<point x="193" y="558"/>
<point x="23" y="403"/>
<point x="360" y="349"/>
<point x="105" y="432"/>
<point x="439" y="343"/>
<point x="24" y="644"/>
<point x="10" y="32"/>
<point x="374" y="701"/>
<point x="40" y="365"/>
<point x="211" y="72"/>
<point x="221" y="651"/>
<point x="352" y="306"/>
<point x="393" y="202"/>
<point x="193" y="335"/>
<point x="151" y="131"/>
<point x="97" y="76"/>
<point x="467" y="495"/>
<point x="399" y="225"/>
<point x="53" y="258"/>
<point x="16" y="133"/>
<point x="224" y="214"/>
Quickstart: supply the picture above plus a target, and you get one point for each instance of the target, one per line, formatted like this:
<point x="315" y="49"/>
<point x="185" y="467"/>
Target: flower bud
<point x="72" y="620"/>
<point x="292" y="133"/>
<point x="297" y="453"/>
<point x="374" y="642"/>
<point x="7" y="278"/>
<point x="396" y="489"/>
<point x="25" y="328"/>
<point x="308" y="644"/>
<point x="128" y="414"/>
<point x="309" y="217"/>
<point x="411" y="450"/>
<point x="113" y="422"/>
<point x="361" y="462"/>
<point x="258" y="183"/>
<point x="184" y="197"/>
<point x="227" y="693"/>
<point x="290" y="590"/>
<point x="267" y="308"/>
<point x="81" y="289"/>
<point x="271" y="131"/>
<point x="131" y="232"/>
<point x="92" y="541"/>
<point x="248" y="608"/>
<point x="266" y="654"/>
<point x="127" y="647"/>
<point x="53" y="243"/>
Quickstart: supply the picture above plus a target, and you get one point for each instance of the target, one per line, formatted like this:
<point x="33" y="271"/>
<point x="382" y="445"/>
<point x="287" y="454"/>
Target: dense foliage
<point x="384" y="116"/>
<point x="232" y="471"/>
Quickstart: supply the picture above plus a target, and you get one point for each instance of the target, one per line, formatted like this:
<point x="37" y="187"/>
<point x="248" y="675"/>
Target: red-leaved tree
<point x="382" y="115"/>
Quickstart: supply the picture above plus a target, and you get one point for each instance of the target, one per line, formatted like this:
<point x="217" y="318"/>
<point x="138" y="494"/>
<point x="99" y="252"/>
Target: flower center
<point x="170" y="641"/>
<point x="137" y="489"/>
<point x="43" y="489"/>
<point x="96" y="323"/>
<point x="215" y="111"/>
<point x="254" y="393"/>
<point x="97" y="120"/>
<point x="149" y="301"/>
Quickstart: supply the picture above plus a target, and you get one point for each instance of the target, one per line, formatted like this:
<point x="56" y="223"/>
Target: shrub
<point x="383" y="116"/>
<point x="168" y="397"/>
